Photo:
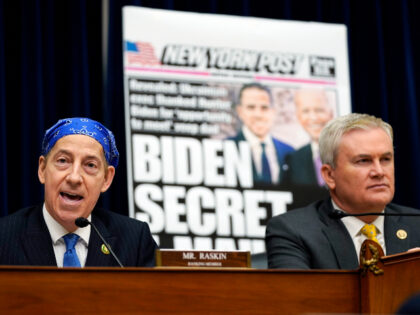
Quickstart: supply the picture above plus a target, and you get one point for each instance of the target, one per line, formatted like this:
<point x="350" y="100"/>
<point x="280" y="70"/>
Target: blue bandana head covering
<point x="82" y="126"/>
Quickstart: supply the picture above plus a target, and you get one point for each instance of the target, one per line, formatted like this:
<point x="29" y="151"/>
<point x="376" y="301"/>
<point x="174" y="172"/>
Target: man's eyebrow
<point x="366" y="155"/>
<point x="388" y="154"/>
<point x="363" y="155"/>
<point x="62" y="151"/>
<point x="67" y="152"/>
<point x="93" y="157"/>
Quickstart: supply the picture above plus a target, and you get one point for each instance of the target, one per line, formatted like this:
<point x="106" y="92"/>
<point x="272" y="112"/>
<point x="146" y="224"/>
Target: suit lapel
<point x="302" y="164"/>
<point x="37" y="242"/>
<point x="310" y="169"/>
<point x="96" y="257"/>
<point x="240" y="136"/>
<point x="340" y="240"/>
<point x="394" y="244"/>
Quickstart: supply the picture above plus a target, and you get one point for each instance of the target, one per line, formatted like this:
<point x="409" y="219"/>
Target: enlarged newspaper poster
<point x="223" y="116"/>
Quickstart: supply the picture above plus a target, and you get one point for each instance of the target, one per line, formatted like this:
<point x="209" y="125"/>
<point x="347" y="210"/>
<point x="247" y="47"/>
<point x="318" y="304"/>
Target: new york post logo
<point x="322" y="66"/>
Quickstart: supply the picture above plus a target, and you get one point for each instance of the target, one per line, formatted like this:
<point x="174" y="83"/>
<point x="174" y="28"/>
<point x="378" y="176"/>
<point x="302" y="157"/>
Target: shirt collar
<point x="57" y="231"/>
<point x="315" y="149"/>
<point x="253" y="139"/>
<point x="354" y="224"/>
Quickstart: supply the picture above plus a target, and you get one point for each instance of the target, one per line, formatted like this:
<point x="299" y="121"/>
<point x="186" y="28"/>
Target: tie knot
<point x="71" y="240"/>
<point x="369" y="230"/>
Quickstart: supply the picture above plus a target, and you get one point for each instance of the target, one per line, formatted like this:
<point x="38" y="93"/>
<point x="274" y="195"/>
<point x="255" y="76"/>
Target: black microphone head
<point x="81" y="222"/>
<point x="337" y="214"/>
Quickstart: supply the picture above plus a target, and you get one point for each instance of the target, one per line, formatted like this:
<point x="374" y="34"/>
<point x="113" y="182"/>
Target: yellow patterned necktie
<point x="369" y="230"/>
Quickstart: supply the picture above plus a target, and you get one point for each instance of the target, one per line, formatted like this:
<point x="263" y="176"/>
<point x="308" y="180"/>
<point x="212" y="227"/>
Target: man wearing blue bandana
<point x="78" y="162"/>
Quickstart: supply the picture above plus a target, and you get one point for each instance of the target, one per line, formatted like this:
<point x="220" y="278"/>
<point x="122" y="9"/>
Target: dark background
<point x="51" y="67"/>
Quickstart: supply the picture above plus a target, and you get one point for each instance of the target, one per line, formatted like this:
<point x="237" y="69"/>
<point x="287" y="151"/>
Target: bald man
<point x="313" y="112"/>
<point x="77" y="165"/>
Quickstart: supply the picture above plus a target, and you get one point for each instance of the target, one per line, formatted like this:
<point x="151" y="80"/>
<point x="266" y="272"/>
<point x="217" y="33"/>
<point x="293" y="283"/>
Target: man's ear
<point x="109" y="176"/>
<point x="328" y="175"/>
<point x="42" y="163"/>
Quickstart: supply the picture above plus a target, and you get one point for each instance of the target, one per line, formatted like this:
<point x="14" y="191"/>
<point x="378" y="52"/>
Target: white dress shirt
<point x="270" y="151"/>
<point x="315" y="150"/>
<point x="354" y="225"/>
<point x="57" y="232"/>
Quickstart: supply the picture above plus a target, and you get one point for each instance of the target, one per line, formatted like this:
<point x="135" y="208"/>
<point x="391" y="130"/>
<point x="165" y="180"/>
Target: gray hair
<point x="331" y="134"/>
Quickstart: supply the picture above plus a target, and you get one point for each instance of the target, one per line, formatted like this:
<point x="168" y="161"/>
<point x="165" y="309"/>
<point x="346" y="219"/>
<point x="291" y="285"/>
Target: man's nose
<point x="377" y="169"/>
<point x="311" y="115"/>
<point x="75" y="176"/>
<point x="259" y="112"/>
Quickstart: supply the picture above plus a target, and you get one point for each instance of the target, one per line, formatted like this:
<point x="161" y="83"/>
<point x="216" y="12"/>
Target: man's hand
<point x="415" y="249"/>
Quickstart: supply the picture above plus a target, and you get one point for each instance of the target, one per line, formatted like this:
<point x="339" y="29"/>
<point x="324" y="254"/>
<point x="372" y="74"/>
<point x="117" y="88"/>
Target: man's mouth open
<point x="70" y="197"/>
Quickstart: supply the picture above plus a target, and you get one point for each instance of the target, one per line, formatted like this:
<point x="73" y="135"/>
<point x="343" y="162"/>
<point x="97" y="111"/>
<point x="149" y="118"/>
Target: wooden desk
<point x="44" y="290"/>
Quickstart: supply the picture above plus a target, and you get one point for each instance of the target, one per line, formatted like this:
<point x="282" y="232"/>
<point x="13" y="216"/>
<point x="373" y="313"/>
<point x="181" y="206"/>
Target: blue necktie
<point x="265" y="173"/>
<point x="70" y="256"/>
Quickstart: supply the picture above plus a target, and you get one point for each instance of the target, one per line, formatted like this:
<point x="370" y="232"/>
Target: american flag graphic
<point x="140" y="53"/>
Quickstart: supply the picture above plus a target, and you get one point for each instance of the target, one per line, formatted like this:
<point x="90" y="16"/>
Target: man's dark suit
<point x="281" y="150"/>
<point x="307" y="238"/>
<point x="25" y="240"/>
<point x="299" y="169"/>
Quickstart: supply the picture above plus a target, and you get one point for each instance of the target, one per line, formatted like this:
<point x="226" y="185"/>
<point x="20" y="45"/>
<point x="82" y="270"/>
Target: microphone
<point x="83" y="222"/>
<point x="338" y="214"/>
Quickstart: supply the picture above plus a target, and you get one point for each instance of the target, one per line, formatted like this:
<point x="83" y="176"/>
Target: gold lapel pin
<point x="104" y="249"/>
<point x="401" y="234"/>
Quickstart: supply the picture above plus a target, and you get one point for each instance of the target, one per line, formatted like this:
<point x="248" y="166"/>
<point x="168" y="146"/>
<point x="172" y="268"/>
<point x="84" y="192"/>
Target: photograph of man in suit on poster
<point x="256" y="113"/>
<point x="313" y="112"/>
<point x="77" y="164"/>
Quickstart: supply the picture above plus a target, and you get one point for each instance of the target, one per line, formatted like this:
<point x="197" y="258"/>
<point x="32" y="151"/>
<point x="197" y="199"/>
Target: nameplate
<point x="198" y="258"/>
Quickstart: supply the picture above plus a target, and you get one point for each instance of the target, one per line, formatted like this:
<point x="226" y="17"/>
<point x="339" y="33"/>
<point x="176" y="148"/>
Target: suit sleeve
<point x="285" y="248"/>
<point x="285" y="171"/>
<point x="148" y="246"/>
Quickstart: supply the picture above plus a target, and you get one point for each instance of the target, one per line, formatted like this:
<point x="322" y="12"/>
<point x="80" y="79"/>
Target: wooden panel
<point x="400" y="280"/>
<point x="177" y="291"/>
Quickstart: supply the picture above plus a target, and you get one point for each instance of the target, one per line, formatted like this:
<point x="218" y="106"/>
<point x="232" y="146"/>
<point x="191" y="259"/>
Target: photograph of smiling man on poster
<point x="282" y="126"/>
<point x="256" y="112"/>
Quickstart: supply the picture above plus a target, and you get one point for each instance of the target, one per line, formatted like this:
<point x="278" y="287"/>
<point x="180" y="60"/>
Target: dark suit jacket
<point x="25" y="240"/>
<point x="281" y="150"/>
<point x="307" y="238"/>
<point x="299" y="168"/>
